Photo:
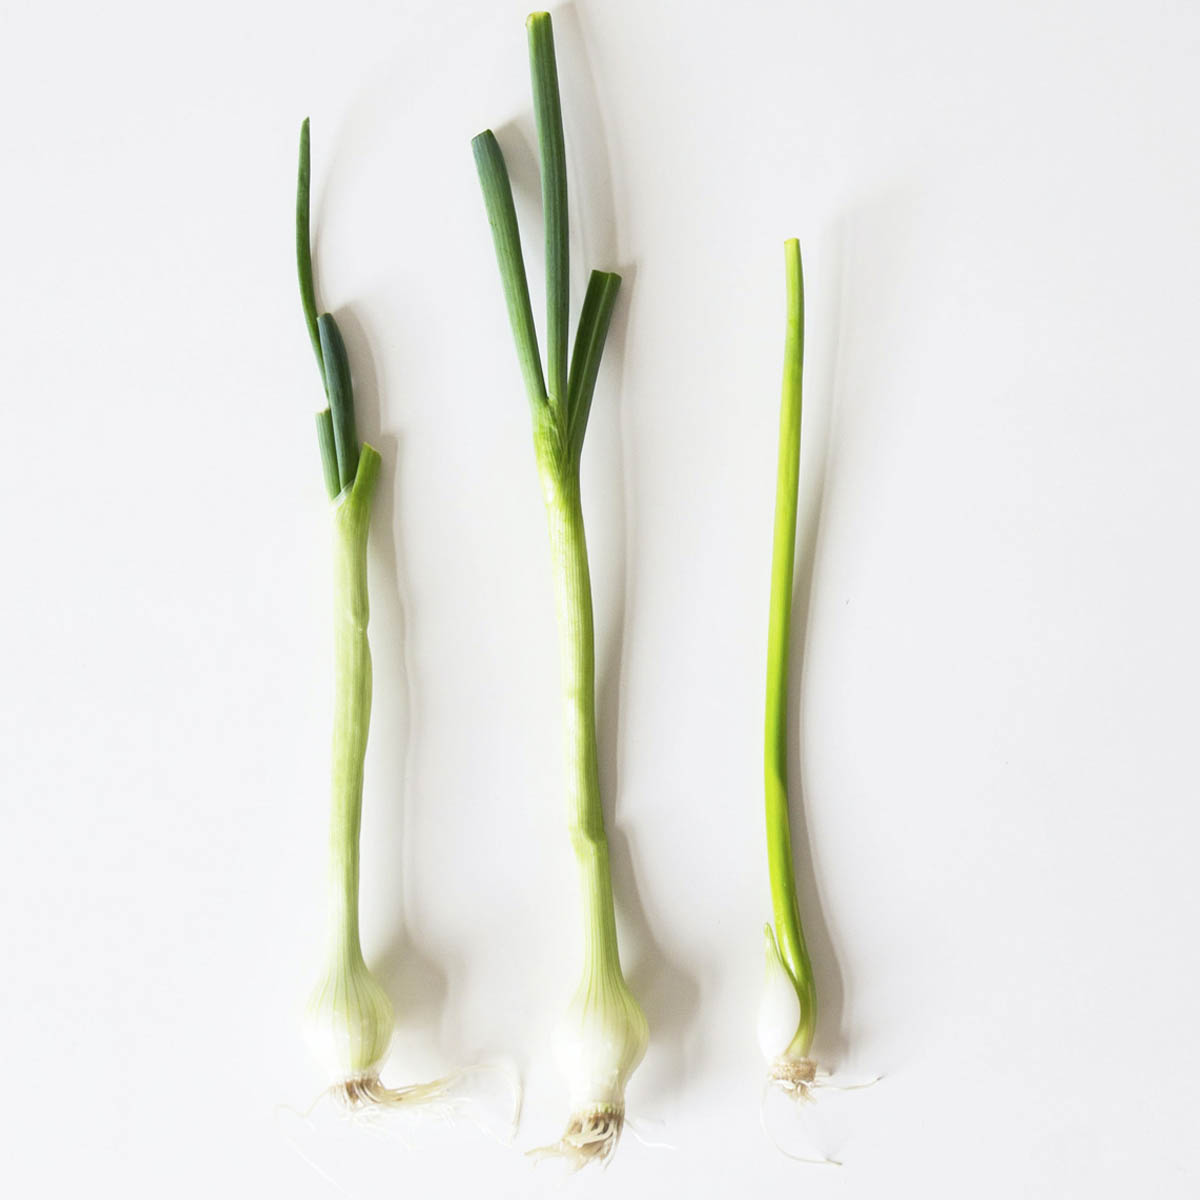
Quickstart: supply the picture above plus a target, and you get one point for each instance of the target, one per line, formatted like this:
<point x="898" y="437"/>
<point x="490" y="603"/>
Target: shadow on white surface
<point x="668" y="993"/>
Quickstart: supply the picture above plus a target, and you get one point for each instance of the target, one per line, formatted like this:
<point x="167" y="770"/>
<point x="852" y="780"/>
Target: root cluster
<point x="591" y="1136"/>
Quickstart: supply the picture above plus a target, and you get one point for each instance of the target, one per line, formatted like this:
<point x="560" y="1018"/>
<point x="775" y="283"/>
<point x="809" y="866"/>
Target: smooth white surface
<point x="997" y="205"/>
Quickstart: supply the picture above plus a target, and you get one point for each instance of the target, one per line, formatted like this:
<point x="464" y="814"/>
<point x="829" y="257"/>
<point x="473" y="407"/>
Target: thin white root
<point x="304" y="1115"/>
<point x="850" y="1087"/>
<point x="368" y="1091"/>
<point x="762" y="1120"/>
<point x="366" y="1096"/>
<point x="800" y="1079"/>
<point x="510" y="1072"/>
<point x="641" y="1138"/>
<point x="305" y="1118"/>
<point x="591" y="1136"/>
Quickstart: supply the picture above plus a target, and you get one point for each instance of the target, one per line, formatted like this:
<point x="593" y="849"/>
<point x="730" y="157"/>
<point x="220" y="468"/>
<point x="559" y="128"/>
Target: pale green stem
<point x="788" y="930"/>
<point x="352" y="696"/>
<point x="573" y="597"/>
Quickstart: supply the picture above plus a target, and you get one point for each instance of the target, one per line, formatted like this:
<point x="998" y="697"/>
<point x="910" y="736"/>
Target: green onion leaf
<point x="308" y="295"/>
<point x="328" y="446"/>
<point x="548" y="110"/>
<point x="502" y="216"/>
<point x="341" y="398"/>
<point x="594" y="320"/>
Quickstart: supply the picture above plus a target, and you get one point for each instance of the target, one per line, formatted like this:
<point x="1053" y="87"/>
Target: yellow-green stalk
<point x="604" y="1034"/>
<point x="788" y="1011"/>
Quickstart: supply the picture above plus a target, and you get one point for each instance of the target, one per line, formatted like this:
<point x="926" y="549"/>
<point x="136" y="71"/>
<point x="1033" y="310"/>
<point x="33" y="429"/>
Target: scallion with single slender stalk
<point x="350" y="1017"/>
<point x="788" y="1009"/>
<point x="604" y="1035"/>
<point x="788" y="1012"/>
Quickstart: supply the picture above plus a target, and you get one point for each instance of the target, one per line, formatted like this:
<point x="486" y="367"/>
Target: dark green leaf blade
<point x="547" y="106"/>
<point x="594" y="320"/>
<point x="502" y="216"/>
<point x="341" y="398"/>
<point x="304" y="267"/>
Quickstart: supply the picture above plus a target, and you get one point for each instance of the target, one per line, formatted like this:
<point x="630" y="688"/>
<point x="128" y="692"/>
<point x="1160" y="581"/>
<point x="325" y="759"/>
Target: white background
<point x="996" y="603"/>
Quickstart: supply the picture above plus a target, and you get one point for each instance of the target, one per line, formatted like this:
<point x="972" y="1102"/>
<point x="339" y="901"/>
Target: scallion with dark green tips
<point x="604" y="1035"/>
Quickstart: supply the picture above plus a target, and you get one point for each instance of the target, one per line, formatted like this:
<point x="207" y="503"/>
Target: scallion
<point x="788" y="1009"/>
<point x="788" y="1013"/>
<point x="350" y="1018"/>
<point x="604" y="1035"/>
